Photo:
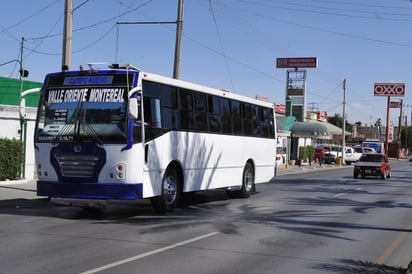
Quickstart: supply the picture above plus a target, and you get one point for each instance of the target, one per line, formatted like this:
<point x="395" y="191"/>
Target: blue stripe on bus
<point x="115" y="191"/>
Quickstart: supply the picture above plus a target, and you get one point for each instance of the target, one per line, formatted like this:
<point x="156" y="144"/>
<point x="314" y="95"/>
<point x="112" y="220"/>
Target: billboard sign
<point x="395" y="104"/>
<point x="389" y="89"/>
<point x="280" y="108"/>
<point x="301" y="62"/>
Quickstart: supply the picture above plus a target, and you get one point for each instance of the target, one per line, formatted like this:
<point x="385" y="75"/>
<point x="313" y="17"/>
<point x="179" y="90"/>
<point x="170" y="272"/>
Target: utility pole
<point x="406" y="134"/>
<point x="67" y="35"/>
<point x="343" y="120"/>
<point x="178" y="43"/>
<point x="23" y="122"/>
<point x="179" y="27"/>
<point x="399" y="131"/>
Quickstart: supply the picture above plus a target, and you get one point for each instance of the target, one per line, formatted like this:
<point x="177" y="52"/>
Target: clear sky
<point x="230" y="44"/>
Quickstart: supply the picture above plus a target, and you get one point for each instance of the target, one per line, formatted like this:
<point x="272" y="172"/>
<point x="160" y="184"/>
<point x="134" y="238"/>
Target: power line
<point x="221" y="44"/>
<point x="340" y="12"/>
<point x="339" y="33"/>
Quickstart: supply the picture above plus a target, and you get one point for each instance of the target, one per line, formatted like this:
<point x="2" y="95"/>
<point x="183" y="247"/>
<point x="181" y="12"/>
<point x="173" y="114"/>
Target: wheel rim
<point x="248" y="183"/>
<point x="169" y="190"/>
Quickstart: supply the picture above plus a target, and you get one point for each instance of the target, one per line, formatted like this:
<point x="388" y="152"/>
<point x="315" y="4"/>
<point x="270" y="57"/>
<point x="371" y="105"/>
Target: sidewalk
<point x="292" y="169"/>
<point x="17" y="182"/>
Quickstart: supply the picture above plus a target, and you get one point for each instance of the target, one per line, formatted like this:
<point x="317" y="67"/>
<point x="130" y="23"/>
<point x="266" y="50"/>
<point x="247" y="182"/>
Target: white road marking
<point x="344" y="193"/>
<point x="140" y="256"/>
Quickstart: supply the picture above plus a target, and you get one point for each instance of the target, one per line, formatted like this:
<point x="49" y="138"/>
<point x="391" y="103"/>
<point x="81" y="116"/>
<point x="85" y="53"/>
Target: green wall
<point x="10" y="92"/>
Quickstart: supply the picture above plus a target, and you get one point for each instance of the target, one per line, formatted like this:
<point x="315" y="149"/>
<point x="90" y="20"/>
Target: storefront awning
<point x="310" y="129"/>
<point x="284" y="123"/>
<point x="334" y="130"/>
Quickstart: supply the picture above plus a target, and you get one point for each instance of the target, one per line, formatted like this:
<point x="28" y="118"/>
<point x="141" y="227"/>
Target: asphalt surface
<point x="281" y="170"/>
<point x="292" y="169"/>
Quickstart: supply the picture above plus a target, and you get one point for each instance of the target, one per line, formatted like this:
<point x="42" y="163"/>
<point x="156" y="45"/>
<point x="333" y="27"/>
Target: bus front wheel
<point x="169" y="196"/>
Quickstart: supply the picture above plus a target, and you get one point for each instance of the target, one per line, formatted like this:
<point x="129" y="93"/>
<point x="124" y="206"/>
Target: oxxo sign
<point x="389" y="89"/>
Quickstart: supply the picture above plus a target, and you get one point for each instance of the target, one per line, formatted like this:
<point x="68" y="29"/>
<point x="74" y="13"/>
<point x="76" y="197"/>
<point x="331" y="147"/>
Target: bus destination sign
<point x="104" y="95"/>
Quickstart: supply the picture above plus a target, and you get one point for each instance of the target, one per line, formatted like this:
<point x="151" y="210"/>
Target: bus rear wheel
<point x="248" y="181"/>
<point x="167" y="200"/>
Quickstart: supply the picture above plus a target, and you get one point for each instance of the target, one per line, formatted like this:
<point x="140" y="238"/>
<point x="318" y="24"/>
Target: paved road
<point x="303" y="222"/>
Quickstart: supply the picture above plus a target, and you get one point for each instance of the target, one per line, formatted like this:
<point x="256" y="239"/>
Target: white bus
<point x="95" y="141"/>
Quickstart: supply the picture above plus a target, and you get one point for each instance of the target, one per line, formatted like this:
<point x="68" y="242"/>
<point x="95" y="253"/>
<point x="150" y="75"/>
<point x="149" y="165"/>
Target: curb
<point x="16" y="182"/>
<point x="295" y="169"/>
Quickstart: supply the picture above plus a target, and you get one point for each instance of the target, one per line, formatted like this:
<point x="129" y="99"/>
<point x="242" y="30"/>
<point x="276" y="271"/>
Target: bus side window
<point x="237" y="118"/>
<point x="200" y="118"/>
<point x="265" y="122"/>
<point x="247" y="119"/>
<point x="186" y="108"/>
<point x="170" y="114"/>
<point x="225" y="115"/>
<point x="214" y="114"/>
<point x="152" y="117"/>
<point x="152" y="114"/>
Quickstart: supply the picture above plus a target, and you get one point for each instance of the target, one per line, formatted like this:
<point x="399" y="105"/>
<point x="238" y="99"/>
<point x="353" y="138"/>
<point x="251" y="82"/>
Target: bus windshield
<point x="82" y="114"/>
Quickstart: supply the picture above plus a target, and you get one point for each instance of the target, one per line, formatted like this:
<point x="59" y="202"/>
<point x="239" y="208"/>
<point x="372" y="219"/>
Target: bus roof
<point x="174" y="82"/>
<point x="205" y="89"/>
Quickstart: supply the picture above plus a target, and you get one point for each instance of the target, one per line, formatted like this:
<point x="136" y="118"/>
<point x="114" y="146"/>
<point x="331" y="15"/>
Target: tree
<point x="338" y="121"/>
<point x="406" y="137"/>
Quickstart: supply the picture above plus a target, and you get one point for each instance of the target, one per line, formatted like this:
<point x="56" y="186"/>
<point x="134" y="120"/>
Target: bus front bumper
<point x="114" y="191"/>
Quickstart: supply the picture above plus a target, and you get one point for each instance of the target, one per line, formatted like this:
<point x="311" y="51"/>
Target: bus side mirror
<point x="133" y="104"/>
<point x="133" y="108"/>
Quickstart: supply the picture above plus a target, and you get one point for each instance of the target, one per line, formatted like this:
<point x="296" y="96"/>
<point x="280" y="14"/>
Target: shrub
<point x="303" y="157"/>
<point x="310" y="152"/>
<point x="11" y="159"/>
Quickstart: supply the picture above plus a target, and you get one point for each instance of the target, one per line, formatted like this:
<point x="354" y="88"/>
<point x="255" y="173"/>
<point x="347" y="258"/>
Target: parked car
<point x="335" y="150"/>
<point x="362" y="150"/>
<point x="372" y="164"/>
<point x="368" y="150"/>
<point x="352" y="155"/>
<point x="410" y="158"/>
<point x="324" y="155"/>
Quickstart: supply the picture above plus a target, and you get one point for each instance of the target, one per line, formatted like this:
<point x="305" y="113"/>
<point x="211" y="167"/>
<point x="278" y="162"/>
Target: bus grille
<point x="77" y="165"/>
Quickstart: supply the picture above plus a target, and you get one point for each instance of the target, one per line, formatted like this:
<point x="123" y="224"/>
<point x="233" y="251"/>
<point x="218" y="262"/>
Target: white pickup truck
<point x="352" y="154"/>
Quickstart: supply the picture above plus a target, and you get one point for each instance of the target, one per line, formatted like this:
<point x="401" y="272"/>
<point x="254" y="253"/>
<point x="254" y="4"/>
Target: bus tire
<point x="167" y="201"/>
<point x="248" y="181"/>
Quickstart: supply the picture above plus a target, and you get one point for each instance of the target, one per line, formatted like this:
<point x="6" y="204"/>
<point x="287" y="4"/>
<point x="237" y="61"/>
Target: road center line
<point x="393" y="246"/>
<point x="344" y="193"/>
<point x="140" y="256"/>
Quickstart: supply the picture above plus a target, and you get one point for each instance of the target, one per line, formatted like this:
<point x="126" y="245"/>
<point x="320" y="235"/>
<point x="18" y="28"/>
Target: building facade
<point x="13" y="126"/>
